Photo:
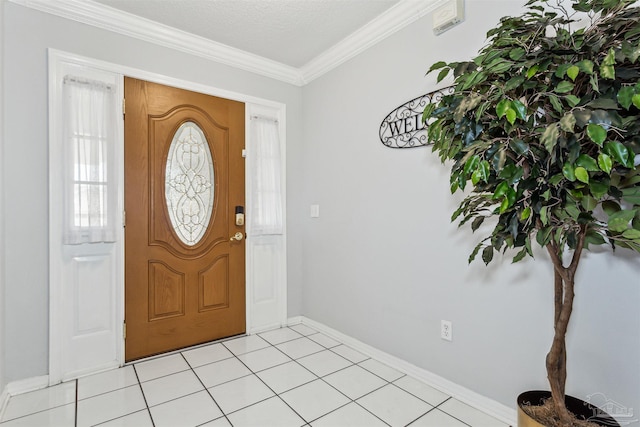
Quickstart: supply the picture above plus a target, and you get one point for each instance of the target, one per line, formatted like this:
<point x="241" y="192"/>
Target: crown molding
<point x="98" y="15"/>
<point x="397" y="17"/>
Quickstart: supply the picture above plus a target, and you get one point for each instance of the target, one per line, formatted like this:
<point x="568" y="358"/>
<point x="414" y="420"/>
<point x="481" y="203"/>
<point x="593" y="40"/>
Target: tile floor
<point x="286" y="377"/>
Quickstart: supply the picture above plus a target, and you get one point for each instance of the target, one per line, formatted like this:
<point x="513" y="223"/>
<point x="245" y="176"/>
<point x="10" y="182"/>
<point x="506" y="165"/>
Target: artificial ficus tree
<point x="543" y="131"/>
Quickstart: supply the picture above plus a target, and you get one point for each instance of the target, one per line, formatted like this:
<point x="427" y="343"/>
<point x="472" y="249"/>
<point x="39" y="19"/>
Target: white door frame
<point x="253" y="323"/>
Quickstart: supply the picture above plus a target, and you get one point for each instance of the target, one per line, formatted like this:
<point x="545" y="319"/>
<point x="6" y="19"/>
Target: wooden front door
<point x="184" y="275"/>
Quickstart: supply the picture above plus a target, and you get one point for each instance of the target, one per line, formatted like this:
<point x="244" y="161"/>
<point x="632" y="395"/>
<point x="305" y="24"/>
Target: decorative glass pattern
<point x="189" y="183"/>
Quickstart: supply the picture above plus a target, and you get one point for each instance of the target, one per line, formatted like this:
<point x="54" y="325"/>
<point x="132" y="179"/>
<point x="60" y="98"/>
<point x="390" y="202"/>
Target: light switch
<point x="315" y="211"/>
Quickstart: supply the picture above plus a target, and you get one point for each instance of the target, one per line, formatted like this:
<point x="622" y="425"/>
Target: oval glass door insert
<point x="189" y="183"/>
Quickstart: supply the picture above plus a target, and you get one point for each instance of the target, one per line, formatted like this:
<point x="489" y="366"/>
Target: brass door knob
<point x="237" y="237"/>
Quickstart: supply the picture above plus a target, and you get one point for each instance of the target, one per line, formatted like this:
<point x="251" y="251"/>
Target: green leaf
<point x="501" y="190"/>
<point x="516" y="53"/>
<point x="581" y="174"/>
<point x="437" y="66"/>
<point x="572" y="100"/>
<point x="532" y="71"/>
<point x="520" y="255"/>
<point x="520" y="109"/>
<point x="519" y="146"/>
<point x="619" y="152"/>
<point x="557" y="105"/>
<point x="544" y="215"/>
<point x="475" y="252"/>
<point x="477" y="223"/>
<point x="587" y="162"/>
<point x="487" y="255"/>
<point x="526" y="213"/>
<point x="610" y="207"/>
<point x="605" y="163"/>
<point x="550" y="137"/>
<point x="572" y="72"/>
<point x="569" y="172"/>
<point x="476" y="177"/>
<point x="502" y="107"/>
<point x="607" y="70"/>
<point x="598" y="189"/>
<point x="594" y="238"/>
<point x="564" y="87"/>
<point x="619" y="221"/>
<point x="596" y="133"/>
<point x="543" y="236"/>
<point x="513" y="83"/>
<point x="471" y="165"/>
<point x="625" y="96"/>
<point x="511" y="116"/>
<point x="442" y="74"/>
<point x="585" y="66"/>
<point x="631" y="234"/>
<point x="568" y="122"/>
<point x="589" y="203"/>
<point x="636" y="100"/>
<point x="631" y="195"/>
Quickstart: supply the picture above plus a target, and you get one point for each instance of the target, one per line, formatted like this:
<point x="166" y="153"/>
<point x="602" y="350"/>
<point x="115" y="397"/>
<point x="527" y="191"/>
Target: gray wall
<point x="2" y="248"/>
<point x="25" y="165"/>
<point x="384" y="264"/>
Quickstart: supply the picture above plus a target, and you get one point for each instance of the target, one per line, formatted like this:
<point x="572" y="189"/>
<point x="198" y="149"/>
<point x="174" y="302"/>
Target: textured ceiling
<point x="292" y="32"/>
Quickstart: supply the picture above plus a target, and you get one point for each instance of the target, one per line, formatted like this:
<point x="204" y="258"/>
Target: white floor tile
<point x="220" y="422"/>
<point x="245" y="344"/>
<point x="137" y="419"/>
<point x="61" y="416"/>
<point x="285" y="377"/>
<point x="208" y="354"/>
<point x="272" y="412"/>
<point x="349" y="353"/>
<point x="40" y="400"/>
<point x="278" y="336"/>
<point x="355" y="382"/>
<point x="381" y="370"/>
<point x="323" y="340"/>
<point x="352" y="415"/>
<point x="217" y="373"/>
<point x="106" y="381"/>
<point x="299" y="348"/>
<point x="260" y="360"/>
<point x="109" y="406"/>
<point x="421" y="390"/>
<point x="469" y="415"/>
<point x="156" y="368"/>
<point x="437" y="418"/>
<point x="171" y="387"/>
<point x="324" y="363"/>
<point x="394" y="405"/>
<point x="187" y="411"/>
<point x="314" y="400"/>
<point x="240" y="393"/>
<point x="303" y="329"/>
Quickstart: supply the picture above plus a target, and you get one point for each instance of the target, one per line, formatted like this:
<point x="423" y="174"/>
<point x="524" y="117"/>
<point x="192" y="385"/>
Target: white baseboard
<point x="463" y="394"/>
<point x="4" y="399"/>
<point x="21" y="386"/>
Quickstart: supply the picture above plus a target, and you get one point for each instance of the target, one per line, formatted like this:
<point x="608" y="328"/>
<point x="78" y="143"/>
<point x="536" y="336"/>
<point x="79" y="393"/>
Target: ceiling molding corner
<point x="397" y="17"/>
<point x="101" y="16"/>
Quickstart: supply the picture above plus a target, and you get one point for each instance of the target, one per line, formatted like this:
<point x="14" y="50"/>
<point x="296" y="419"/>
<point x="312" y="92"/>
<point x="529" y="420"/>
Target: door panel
<point x="185" y="289"/>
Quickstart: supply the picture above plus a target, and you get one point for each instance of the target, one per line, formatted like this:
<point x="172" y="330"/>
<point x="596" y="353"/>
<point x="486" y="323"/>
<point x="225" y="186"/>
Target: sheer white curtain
<point x="90" y="188"/>
<point x="266" y="189"/>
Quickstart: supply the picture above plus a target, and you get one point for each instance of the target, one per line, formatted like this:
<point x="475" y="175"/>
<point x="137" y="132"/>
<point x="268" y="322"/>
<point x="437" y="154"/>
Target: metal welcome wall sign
<point x="403" y="127"/>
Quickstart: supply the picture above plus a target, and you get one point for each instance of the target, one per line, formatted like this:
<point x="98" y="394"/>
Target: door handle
<point x="237" y="237"/>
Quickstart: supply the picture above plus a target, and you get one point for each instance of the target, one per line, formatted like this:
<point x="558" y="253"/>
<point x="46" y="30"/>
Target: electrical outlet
<point x="445" y="330"/>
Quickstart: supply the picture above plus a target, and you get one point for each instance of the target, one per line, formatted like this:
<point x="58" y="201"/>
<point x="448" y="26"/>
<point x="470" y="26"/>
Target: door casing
<point x="254" y="323"/>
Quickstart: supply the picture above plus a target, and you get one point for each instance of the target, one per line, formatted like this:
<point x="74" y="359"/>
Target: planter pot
<point x="581" y="409"/>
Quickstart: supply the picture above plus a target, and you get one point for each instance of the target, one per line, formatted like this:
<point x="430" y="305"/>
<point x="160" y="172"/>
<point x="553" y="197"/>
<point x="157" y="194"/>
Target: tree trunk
<point x="564" y="282"/>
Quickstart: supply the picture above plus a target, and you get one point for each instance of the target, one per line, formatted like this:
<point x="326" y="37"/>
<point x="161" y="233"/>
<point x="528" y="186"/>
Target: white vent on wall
<point x="447" y="16"/>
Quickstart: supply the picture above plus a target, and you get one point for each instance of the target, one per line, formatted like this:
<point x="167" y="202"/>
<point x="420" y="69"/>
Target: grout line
<point x="207" y="390"/>
<point x="75" y="415"/>
<point x="144" y="397"/>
